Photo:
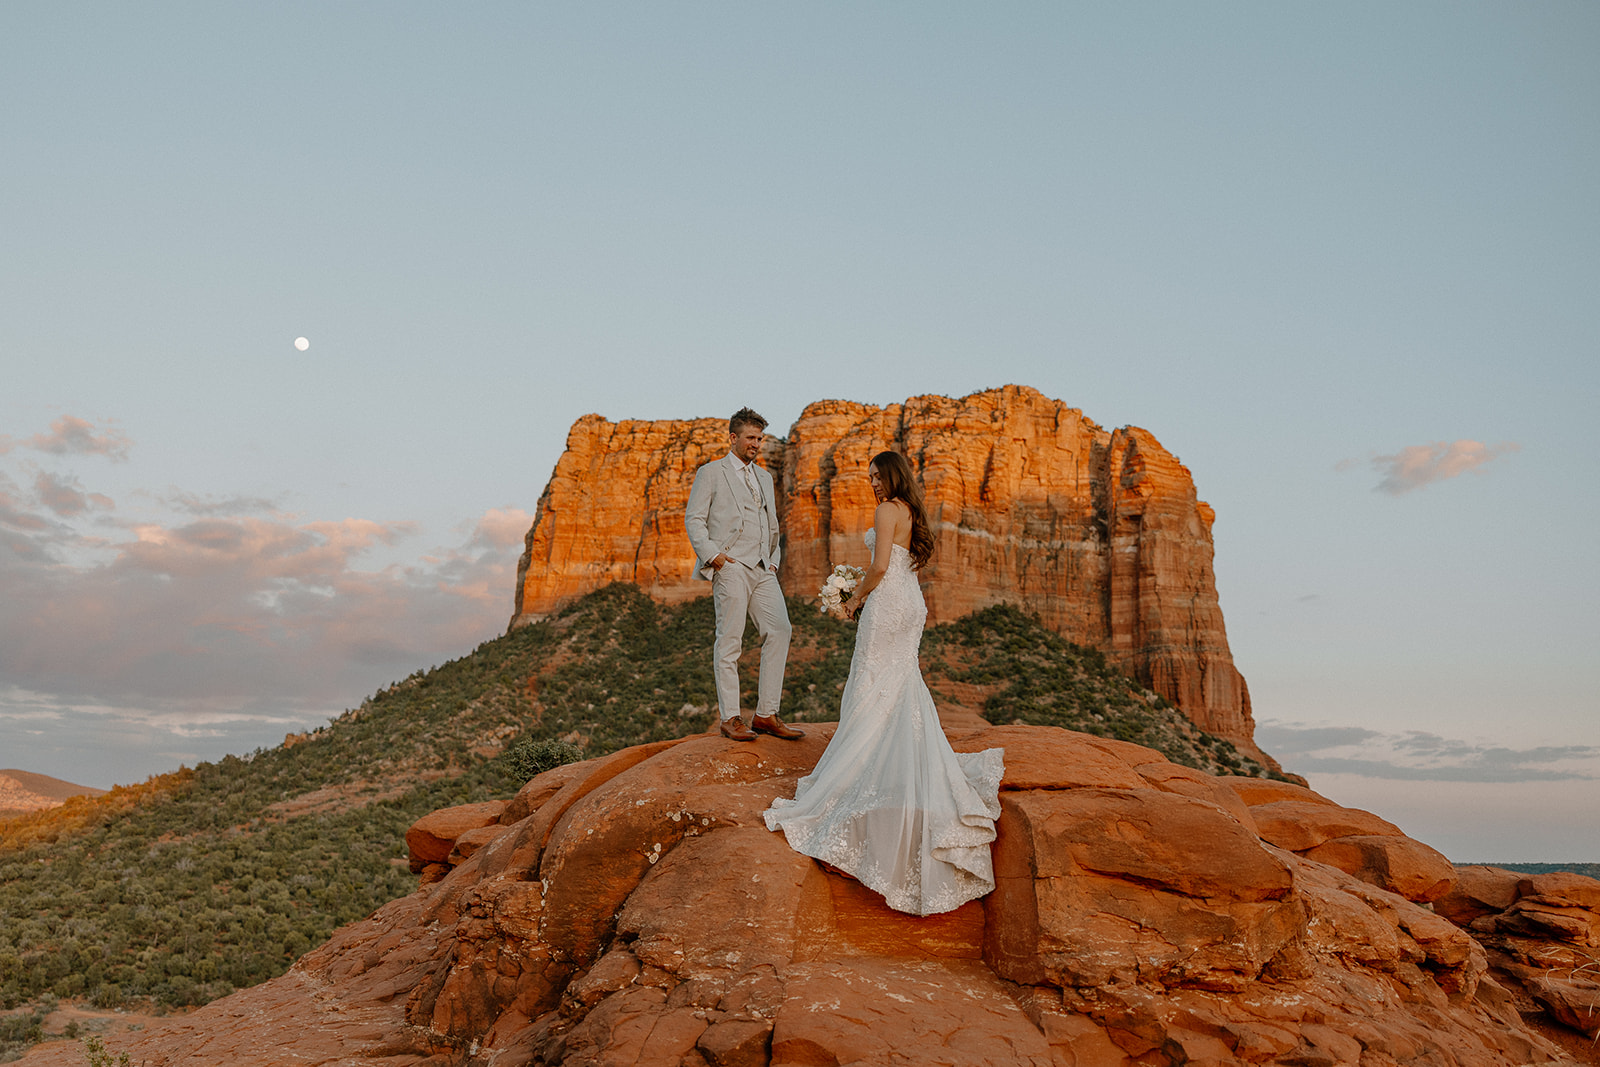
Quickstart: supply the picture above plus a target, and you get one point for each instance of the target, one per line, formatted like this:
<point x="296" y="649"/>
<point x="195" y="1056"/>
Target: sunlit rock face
<point x="1098" y="532"/>
<point x="634" y="909"/>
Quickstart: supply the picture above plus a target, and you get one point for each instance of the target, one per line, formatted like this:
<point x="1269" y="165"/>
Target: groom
<point x="732" y="519"/>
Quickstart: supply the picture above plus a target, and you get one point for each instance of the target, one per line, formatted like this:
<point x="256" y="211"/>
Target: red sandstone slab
<point x="431" y="837"/>
<point x="1298" y="825"/>
<point x="1048" y="757"/>
<point x="1255" y="791"/>
<point x="948" y="1013"/>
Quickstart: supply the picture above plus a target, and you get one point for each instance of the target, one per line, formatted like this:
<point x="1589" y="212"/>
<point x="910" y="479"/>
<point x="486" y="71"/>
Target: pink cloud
<point x="503" y="528"/>
<point x="17" y="518"/>
<point x="187" y="615"/>
<point x="229" y="611"/>
<point x="70" y="435"/>
<point x="1419" y="465"/>
<point x="475" y="571"/>
<point x="251" y="548"/>
<point x="66" y="497"/>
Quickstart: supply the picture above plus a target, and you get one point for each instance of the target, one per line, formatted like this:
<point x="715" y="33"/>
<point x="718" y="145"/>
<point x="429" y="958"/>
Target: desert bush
<point x="533" y="756"/>
<point x="19" y="1031"/>
<point x="96" y="1055"/>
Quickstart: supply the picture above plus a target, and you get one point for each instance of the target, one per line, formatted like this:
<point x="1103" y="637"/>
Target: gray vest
<point x="753" y="544"/>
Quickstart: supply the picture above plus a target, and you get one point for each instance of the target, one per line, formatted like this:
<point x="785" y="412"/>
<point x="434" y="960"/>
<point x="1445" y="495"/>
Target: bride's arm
<point x="884" y="521"/>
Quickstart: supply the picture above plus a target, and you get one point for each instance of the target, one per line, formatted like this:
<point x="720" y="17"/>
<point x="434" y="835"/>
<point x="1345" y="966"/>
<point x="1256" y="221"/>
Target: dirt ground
<point x="91" y="1020"/>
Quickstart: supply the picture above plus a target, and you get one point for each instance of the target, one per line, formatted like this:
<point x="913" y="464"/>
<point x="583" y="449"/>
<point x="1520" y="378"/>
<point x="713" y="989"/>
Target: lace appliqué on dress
<point x="889" y="801"/>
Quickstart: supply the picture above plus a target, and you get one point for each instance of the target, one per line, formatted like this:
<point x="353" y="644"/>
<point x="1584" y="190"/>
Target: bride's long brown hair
<point x="894" y="471"/>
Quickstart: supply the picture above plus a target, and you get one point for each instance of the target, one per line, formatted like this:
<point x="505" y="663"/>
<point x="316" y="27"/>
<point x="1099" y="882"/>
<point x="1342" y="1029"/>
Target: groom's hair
<point x="745" y="417"/>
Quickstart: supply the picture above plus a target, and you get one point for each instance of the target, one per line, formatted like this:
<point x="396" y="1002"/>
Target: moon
<point x="301" y="343"/>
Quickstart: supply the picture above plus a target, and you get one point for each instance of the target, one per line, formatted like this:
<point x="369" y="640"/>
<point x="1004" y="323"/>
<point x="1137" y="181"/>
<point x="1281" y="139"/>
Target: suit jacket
<point x="715" y="515"/>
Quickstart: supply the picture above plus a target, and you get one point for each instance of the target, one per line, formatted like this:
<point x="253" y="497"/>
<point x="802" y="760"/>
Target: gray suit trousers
<point x="737" y="591"/>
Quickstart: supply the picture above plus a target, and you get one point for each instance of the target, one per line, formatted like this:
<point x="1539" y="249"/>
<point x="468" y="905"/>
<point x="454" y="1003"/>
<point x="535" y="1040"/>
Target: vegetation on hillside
<point x="1036" y="677"/>
<point x="21" y="1029"/>
<point x="200" y="882"/>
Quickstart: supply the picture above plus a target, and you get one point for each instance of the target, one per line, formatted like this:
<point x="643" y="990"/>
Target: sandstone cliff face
<point x="633" y="909"/>
<point x="1098" y="532"/>
<point x="613" y="512"/>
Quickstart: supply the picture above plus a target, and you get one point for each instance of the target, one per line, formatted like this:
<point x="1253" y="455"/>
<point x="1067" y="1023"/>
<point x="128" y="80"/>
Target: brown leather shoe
<point x="736" y="729"/>
<point x="771" y="724"/>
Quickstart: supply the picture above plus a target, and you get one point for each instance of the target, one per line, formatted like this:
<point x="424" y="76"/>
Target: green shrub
<point x="532" y="756"/>
<point x="95" y="1054"/>
<point x="19" y="1031"/>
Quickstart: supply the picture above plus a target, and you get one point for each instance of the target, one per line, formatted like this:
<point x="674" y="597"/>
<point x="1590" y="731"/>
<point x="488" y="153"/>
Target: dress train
<point x="890" y="802"/>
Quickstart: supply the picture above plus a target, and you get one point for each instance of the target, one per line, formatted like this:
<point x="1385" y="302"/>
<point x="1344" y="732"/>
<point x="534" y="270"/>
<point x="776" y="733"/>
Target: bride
<point x="890" y="803"/>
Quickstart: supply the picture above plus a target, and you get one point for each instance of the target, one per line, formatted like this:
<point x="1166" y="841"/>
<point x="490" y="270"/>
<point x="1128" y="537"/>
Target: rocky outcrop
<point x="1098" y="532"/>
<point x="633" y="909"/>
<point x="1357" y="842"/>
<point x="1542" y="931"/>
<point x="447" y="836"/>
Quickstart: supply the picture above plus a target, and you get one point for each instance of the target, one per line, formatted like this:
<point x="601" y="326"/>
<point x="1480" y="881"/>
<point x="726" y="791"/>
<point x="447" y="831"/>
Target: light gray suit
<point x="723" y="516"/>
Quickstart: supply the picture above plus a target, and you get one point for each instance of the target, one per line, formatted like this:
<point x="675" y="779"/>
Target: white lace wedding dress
<point x="890" y="802"/>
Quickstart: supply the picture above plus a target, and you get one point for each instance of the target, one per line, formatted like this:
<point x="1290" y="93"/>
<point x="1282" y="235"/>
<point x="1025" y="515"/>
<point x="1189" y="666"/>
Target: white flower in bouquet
<point x="837" y="589"/>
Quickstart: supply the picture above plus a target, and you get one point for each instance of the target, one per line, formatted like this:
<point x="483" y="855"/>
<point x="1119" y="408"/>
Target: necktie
<point x="750" y="483"/>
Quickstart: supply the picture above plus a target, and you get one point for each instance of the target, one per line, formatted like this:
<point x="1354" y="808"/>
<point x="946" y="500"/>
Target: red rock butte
<point x="1097" y="532"/>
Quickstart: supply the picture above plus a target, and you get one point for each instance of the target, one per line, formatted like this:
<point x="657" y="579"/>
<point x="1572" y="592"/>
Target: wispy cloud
<point x="184" y="620"/>
<point x="1419" y="756"/>
<point x="15" y="515"/>
<point x="224" y="609"/>
<point x="208" y="504"/>
<point x="207" y="608"/>
<point x="66" y="497"/>
<point x="1418" y="465"/>
<point x="72" y="436"/>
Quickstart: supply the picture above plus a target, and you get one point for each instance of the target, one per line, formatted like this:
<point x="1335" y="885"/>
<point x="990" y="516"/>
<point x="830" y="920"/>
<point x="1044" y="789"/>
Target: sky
<point x="1343" y="260"/>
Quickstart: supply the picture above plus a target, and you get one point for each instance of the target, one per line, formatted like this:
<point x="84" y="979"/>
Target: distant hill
<point x="24" y="791"/>
<point x="199" y="882"/>
<point x="1588" y="870"/>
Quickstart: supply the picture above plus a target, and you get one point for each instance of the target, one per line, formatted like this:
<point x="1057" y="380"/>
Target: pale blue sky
<point x="1287" y="239"/>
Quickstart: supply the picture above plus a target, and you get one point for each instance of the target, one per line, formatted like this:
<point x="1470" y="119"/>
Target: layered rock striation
<point x="633" y="909"/>
<point x="1098" y="532"/>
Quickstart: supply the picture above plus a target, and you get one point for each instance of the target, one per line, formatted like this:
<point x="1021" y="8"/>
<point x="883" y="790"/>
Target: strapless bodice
<point x="897" y="553"/>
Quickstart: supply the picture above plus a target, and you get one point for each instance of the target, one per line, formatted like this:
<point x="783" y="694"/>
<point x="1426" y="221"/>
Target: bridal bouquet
<point x="837" y="589"/>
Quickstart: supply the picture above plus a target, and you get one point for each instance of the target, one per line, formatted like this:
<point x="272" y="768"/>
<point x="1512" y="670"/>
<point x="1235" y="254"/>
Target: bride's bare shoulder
<point x="895" y="517"/>
<point x="893" y="514"/>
